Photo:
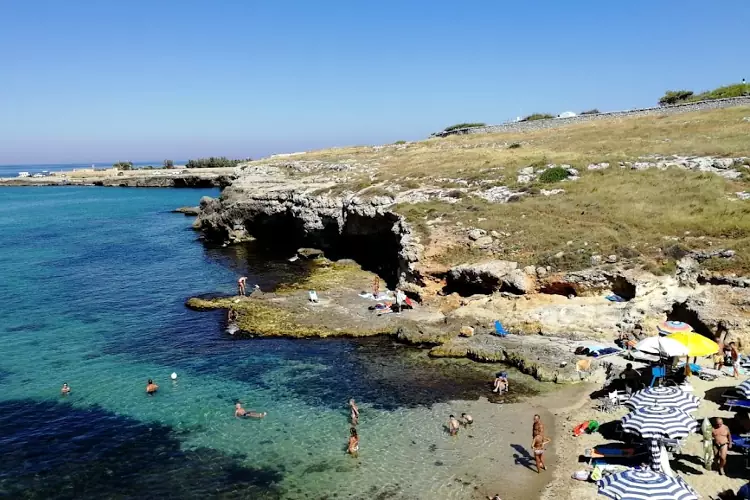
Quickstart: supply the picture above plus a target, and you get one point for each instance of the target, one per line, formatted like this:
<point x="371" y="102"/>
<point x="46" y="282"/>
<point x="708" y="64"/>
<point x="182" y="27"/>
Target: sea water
<point x="92" y="289"/>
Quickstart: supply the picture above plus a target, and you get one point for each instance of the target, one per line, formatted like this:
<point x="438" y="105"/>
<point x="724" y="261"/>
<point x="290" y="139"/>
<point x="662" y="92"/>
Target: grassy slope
<point x="618" y="211"/>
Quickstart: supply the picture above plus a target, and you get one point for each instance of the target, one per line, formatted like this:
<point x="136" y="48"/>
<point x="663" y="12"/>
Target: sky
<point x="98" y="81"/>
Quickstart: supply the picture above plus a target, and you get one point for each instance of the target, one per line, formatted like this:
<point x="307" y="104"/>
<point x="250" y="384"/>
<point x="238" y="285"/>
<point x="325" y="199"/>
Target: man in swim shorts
<point x="241" y="285"/>
<point x="538" y="427"/>
<point x="722" y="443"/>
<point x="151" y="388"/>
<point x="240" y="412"/>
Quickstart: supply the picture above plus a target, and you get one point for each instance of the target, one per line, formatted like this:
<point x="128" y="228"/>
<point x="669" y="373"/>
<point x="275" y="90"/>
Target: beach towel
<point x="499" y="330"/>
<point x="615" y="298"/>
<point x="606" y="351"/>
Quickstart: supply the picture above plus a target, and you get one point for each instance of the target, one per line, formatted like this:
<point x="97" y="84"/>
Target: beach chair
<point x="732" y="393"/>
<point x="657" y="372"/>
<point x="499" y="330"/>
<point x="612" y="452"/>
<point x="737" y="403"/>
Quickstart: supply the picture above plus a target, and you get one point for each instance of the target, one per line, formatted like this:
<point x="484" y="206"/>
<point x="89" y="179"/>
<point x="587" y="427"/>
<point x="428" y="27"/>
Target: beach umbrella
<point x="644" y="484"/>
<point x="697" y="344"/>
<point x="663" y="346"/>
<point x="668" y="397"/>
<point x="744" y="388"/>
<point x="655" y="423"/>
<point x="670" y="327"/>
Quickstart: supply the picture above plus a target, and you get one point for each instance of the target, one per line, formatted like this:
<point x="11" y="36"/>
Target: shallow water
<point x="93" y="283"/>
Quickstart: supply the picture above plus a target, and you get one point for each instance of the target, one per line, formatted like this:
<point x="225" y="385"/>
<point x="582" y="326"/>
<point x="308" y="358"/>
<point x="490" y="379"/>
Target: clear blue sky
<point x="137" y="80"/>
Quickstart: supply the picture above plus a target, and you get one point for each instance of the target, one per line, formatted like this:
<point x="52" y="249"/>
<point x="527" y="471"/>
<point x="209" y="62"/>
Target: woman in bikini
<point x="537" y="446"/>
<point x="353" y="448"/>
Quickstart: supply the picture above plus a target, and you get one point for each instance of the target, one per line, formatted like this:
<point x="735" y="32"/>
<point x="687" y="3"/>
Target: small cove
<point x="93" y="285"/>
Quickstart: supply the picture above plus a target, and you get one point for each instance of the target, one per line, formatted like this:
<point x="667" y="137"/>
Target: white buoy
<point x="174" y="376"/>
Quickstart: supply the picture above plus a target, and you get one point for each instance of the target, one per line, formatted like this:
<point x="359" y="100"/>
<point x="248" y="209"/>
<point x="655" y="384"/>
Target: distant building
<point x="567" y="114"/>
<point x="24" y="174"/>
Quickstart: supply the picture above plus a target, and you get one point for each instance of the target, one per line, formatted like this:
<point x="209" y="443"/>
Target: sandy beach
<point x="688" y="464"/>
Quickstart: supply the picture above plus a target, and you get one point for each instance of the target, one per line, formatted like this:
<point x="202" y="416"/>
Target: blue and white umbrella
<point x="744" y="388"/>
<point x="655" y="423"/>
<point x="669" y="397"/>
<point x="644" y="484"/>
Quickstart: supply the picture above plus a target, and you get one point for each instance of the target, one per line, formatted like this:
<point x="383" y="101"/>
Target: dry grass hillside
<point x="648" y="217"/>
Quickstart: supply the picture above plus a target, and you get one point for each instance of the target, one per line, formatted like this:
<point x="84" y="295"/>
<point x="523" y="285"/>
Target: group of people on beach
<point x="454" y="424"/>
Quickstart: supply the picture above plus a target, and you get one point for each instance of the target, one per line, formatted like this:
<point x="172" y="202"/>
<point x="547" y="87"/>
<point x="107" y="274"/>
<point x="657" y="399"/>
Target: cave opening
<point x="372" y="242"/>
<point x="559" y="288"/>
<point x="680" y="312"/>
<point x="622" y="287"/>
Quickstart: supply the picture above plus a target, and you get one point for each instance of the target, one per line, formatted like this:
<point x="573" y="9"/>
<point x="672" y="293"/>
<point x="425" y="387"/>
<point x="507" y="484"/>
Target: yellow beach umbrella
<point x="697" y="344"/>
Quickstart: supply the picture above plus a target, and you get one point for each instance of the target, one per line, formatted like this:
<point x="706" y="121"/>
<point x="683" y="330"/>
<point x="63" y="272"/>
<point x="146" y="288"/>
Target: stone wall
<point x="559" y="122"/>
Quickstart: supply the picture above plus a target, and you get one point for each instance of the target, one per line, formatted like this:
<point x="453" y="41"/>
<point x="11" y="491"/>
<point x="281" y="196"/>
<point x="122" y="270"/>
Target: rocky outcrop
<point x="366" y="230"/>
<point x="188" y="211"/>
<point x="488" y="277"/>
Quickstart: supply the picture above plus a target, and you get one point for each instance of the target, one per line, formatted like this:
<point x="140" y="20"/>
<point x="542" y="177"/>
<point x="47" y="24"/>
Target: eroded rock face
<point x="364" y="230"/>
<point x="488" y="277"/>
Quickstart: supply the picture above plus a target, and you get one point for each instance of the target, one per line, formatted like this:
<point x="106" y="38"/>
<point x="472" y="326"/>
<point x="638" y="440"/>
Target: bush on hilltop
<point x="675" y="96"/>
<point x="213" y="162"/>
<point x="554" y="174"/>
<point x="537" y="116"/>
<point x="590" y="112"/>
<point x="463" y="125"/>
<point x="123" y="165"/>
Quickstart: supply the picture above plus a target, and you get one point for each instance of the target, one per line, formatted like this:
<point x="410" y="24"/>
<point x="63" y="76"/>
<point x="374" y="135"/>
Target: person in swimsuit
<point x="240" y="412"/>
<point x="735" y="359"/>
<point x="467" y="419"/>
<point x="537" y="446"/>
<point x="65" y="389"/>
<point x="353" y="447"/>
<point x="355" y="412"/>
<point x="722" y="443"/>
<point x="453" y="425"/>
<point x="501" y="383"/>
<point x="538" y="427"/>
<point x="241" y="285"/>
<point x="151" y="388"/>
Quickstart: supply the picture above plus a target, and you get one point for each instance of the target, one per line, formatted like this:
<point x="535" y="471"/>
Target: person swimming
<point x="151" y="387"/>
<point x="453" y="425"/>
<point x="65" y="390"/>
<point x="467" y="419"/>
<point x="353" y="447"/>
<point x="240" y="412"/>
<point x="355" y="412"/>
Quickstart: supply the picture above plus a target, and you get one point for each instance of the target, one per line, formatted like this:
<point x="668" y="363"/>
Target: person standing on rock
<point x="375" y="287"/>
<point x="241" y="285"/>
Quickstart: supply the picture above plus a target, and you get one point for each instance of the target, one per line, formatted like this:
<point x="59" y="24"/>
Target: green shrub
<point x="537" y="116"/>
<point x="463" y="125"/>
<point x="168" y="164"/>
<point x="554" y="174"/>
<point x="398" y="143"/>
<point x="123" y="165"/>
<point x="736" y="90"/>
<point x="590" y="112"/>
<point x="515" y="145"/>
<point x="674" y="97"/>
<point x="213" y="162"/>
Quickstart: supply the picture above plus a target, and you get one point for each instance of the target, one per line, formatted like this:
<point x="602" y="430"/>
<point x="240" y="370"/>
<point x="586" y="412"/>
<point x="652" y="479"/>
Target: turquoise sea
<point x="92" y="289"/>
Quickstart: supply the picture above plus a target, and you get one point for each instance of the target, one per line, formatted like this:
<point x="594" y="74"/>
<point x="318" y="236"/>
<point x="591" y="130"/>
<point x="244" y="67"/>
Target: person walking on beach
<point x="65" y="390"/>
<point x="537" y="447"/>
<point x="354" y="412"/>
<point x="453" y="425"/>
<point x="735" y="359"/>
<point x="151" y="388"/>
<point x="241" y="283"/>
<point x="722" y="443"/>
<point x="353" y="447"/>
<point x="240" y="412"/>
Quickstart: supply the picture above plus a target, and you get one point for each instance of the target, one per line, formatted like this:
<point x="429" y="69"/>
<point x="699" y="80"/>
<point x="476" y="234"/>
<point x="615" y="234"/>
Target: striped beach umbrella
<point x="744" y="388"/>
<point x="669" y="397"/>
<point x="655" y="423"/>
<point x="669" y="327"/>
<point x="644" y="484"/>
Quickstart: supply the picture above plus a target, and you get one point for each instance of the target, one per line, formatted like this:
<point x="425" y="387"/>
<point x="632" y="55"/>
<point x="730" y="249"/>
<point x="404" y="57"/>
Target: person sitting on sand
<point x="722" y="443"/>
<point x="353" y="447"/>
<point x="630" y="377"/>
<point x="453" y="425"/>
<point x="354" y="412"/>
<point x="151" y="388"/>
<point x="466" y="419"/>
<point x="241" y="283"/>
<point x="501" y="383"/>
<point x="240" y="412"/>
<point x="65" y="390"/>
<point x="537" y="446"/>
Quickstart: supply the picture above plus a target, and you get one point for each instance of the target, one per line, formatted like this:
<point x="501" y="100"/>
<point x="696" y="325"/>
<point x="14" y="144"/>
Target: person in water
<point x="241" y="283"/>
<point x="65" y="390"/>
<point x="151" y="388"/>
<point x="240" y="412"/>
<point x="467" y="419"/>
<point x="537" y="446"/>
<point x="353" y="447"/>
<point x="453" y="425"/>
<point x="355" y="412"/>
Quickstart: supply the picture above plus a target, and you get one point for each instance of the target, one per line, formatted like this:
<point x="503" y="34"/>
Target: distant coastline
<point x="12" y="170"/>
